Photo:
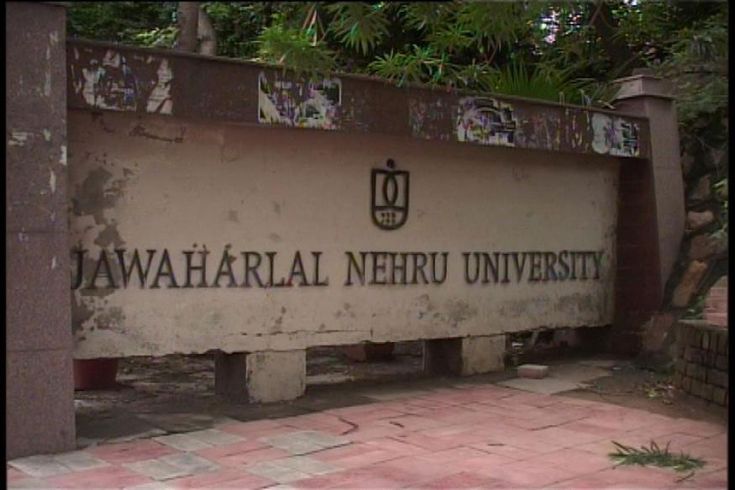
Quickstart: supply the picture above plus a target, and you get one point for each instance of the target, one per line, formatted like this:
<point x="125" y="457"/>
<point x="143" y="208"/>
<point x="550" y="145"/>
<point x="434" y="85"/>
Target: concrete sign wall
<point x="189" y="236"/>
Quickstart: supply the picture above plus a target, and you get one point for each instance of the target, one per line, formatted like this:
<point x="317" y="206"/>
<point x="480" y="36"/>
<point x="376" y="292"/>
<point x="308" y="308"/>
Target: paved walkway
<point x="484" y="436"/>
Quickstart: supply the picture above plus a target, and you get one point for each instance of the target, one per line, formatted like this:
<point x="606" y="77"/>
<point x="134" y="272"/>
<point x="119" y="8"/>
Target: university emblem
<point x="389" y="197"/>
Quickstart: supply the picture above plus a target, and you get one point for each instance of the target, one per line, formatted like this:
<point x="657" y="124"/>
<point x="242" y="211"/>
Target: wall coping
<point x="110" y="76"/>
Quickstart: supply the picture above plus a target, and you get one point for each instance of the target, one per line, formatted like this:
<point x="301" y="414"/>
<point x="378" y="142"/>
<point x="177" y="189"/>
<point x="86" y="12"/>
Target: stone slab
<point x="190" y="463"/>
<point x="182" y="442"/>
<point x="304" y="442"/>
<point x="276" y="376"/>
<point x="546" y="386"/>
<point x="156" y="469"/>
<point x="308" y="465"/>
<point x="40" y="466"/>
<point x="215" y="437"/>
<point x="80" y="461"/>
<point x="277" y="472"/>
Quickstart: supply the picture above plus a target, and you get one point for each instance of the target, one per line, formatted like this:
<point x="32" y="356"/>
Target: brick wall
<point x="701" y="367"/>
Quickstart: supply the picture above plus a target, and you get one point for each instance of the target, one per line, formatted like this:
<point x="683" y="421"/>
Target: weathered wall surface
<point x="151" y="182"/>
<point x="104" y="76"/>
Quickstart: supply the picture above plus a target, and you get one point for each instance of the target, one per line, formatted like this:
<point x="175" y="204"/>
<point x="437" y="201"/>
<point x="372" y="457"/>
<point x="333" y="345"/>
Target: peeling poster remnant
<point x="615" y="136"/>
<point x="116" y="84"/>
<point x="300" y="104"/>
<point x="485" y="121"/>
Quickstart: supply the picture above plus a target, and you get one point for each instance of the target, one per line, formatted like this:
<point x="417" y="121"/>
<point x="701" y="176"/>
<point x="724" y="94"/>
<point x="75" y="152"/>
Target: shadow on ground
<point x="173" y="394"/>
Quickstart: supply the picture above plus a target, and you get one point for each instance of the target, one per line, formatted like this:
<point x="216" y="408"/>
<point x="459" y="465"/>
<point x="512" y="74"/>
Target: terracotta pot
<point x="369" y="352"/>
<point x="95" y="374"/>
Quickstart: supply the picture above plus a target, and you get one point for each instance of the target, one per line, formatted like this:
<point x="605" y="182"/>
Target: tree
<point x="568" y="51"/>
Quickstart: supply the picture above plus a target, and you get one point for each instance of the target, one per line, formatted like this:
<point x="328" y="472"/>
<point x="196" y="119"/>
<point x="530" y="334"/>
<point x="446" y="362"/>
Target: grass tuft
<point x="653" y="455"/>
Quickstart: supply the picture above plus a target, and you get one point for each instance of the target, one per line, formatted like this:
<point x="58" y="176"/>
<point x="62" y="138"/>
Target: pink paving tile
<point x="414" y="422"/>
<point x="582" y="426"/>
<point x="463" y="480"/>
<point x="218" y="452"/>
<point x="529" y="441"/>
<point x="15" y="474"/>
<point x="524" y="474"/>
<point x="448" y="430"/>
<point x="714" y="480"/>
<point x="429" y="402"/>
<point x="359" y="478"/>
<point x="408" y="471"/>
<point x="565" y="437"/>
<point x="324" y="481"/>
<point x="491" y="410"/>
<point x="427" y="442"/>
<point x="483" y="463"/>
<point x="366" y="459"/>
<point x="221" y="479"/>
<point x="403" y="406"/>
<point x="451" y="455"/>
<point x="131" y="452"/>
<point x="246" y="483"/>
<point x="639" y="477"/>
<point x="697" y="427"/>
<point x="108" y="477"/>
<point x="532" y="399"/>
<point x="252" y="457"/>
<point x="711" y="447"/>
<point x="606" y="446"/>
<point x="535" y="423"/>
<point x="364" y="413"/>
<point x="371" y="432"/>
<point x="460" y="415"/>
<point x="625" y="419"/>
<point x="402" y="448"/>
<point x="506" y="450"/>
<point x="576" y="461"/>
<point x="463" y="437"/>
<point x="336" y="453"/>
<point x="318" y="421"/>
<point x="678" y="442"/>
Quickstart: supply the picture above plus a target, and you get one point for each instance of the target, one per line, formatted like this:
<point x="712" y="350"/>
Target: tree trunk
<point x="207" y="35"/>
<point x="188" y="20"/>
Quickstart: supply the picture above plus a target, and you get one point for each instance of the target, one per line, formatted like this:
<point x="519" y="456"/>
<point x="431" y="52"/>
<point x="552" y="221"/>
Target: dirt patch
<point x="636" y="387"/>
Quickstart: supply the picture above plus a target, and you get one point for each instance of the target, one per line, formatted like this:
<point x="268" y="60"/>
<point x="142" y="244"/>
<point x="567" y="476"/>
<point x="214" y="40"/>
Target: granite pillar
<point x="39" y="376"/>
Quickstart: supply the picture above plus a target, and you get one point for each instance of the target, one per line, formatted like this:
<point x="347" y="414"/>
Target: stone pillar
<point x="651" y="213"/>
<point x="650" y="97"/>
<point x="39" y="376"/>
<point x="464" y="356"/>
<point x="260" y="377"/>
<point x="276" y="376"/>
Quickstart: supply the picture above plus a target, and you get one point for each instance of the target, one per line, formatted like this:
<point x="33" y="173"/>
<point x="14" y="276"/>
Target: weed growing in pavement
<point x="653" y="455"/>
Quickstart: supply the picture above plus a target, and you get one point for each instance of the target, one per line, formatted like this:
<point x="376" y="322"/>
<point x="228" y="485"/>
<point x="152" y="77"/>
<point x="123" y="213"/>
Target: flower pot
<point x="369" y="352"/>
<point x="95" y="374"/>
